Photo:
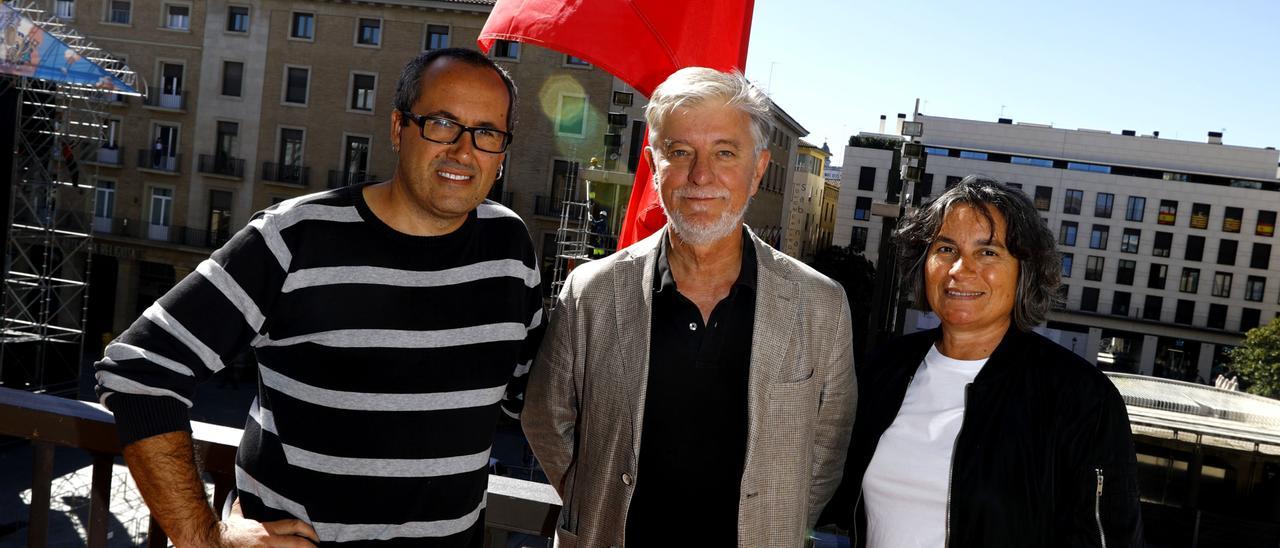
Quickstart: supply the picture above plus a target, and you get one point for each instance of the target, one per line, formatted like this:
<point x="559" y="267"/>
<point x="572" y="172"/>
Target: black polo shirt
<point x="694" y="437"/>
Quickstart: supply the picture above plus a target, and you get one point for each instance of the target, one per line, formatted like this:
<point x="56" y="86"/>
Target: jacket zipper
<point x="951" y="470"/>
<point x="1097" y="509"/>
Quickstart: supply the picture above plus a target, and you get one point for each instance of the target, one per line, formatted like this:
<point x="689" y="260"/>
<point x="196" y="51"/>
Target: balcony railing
<point x="159" y="161"/>
<point x="547" y="206"/>
<point x="339" y="178"/>
<point x="142" y="229"/>
<point x="286" y="173"/>
<point x="171" y="101"/>
<point x="110" y="156"/>
<point x="228" y="166"/>
<point x="513" y="506"/>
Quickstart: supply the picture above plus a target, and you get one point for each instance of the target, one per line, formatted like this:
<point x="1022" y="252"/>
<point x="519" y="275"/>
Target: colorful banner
<point x="27" y="50"/>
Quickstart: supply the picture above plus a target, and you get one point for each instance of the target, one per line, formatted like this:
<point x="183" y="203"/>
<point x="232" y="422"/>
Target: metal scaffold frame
<point x="583" y="235"/>
<point x="56" y="138"/>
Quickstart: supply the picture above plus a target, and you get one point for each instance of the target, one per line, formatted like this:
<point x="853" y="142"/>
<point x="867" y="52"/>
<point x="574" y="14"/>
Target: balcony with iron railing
<point x="158" y="99"/>
<point x="108" y="156"/>
<point x="160" y="162"/>
<point x="289" y="174"/>
<point x="218" y="164"/>
<point x="48" y="422"/>
<point x="547" y="206"/>
<point x="339" y="178"/>
<point x="142" y="229"/>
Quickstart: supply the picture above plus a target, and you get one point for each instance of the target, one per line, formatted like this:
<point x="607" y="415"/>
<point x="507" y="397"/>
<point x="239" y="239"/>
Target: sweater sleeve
<point x="149" y="373"/>
<point x="513" y="399"/>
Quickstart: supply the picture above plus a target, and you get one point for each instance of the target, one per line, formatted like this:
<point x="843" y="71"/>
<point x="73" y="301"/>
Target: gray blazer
<point x="584" y="407"/>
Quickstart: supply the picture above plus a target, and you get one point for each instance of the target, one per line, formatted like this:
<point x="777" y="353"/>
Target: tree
<point x="858" y="276"/>
<point x="1257" y="360"/>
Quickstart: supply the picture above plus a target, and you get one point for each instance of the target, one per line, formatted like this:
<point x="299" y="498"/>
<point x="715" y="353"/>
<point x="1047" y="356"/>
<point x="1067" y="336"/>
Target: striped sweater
<point x="384" y="361"/>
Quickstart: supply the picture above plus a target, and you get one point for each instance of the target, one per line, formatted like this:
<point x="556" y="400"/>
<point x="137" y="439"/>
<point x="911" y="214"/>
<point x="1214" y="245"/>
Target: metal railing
<point x="159" y="161"/>
<point x="547" y="206"/>
<point x="132" y="227"/>
<point x="171" y="101"/>
<point x="513" y="506"/>
<point x="109" y="156"/>
<point x="339" y="178"/>
<point x="229" y="166"/>
<point x="286" y="173"/>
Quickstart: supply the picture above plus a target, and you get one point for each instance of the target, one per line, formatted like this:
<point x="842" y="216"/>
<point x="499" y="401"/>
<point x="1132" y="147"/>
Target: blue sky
<point x="1179" y="67"/>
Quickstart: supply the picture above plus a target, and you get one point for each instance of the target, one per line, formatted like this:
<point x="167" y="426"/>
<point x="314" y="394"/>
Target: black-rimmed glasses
<point x="447" y="132"/>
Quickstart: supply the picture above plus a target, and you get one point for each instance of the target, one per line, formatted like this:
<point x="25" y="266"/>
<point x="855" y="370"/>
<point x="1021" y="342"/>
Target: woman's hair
<point x="1026" y="237"/>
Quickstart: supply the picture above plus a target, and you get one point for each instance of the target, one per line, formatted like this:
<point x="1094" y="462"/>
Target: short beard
<point x="707" y="233"/>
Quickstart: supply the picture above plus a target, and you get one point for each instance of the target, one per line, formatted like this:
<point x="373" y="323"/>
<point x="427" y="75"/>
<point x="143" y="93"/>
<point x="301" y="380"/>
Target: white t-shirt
<point x="905" y="487"/>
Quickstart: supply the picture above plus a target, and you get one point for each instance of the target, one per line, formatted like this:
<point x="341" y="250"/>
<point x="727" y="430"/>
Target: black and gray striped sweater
<point x="384" y="360"/>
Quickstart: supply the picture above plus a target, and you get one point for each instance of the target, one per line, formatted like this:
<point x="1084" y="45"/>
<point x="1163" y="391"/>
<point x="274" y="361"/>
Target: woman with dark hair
<point x="981" y="432"/>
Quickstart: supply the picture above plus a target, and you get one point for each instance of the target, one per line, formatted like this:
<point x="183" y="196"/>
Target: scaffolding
<point x="586" y="232"/>
<point x="57" y="132"/>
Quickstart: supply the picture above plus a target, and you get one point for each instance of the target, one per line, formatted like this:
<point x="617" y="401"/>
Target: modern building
<point x="1166" y="244"/>
<point x="257" y="101"/>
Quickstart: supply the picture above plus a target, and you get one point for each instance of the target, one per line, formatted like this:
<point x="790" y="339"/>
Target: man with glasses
<point x="392" y="324"/>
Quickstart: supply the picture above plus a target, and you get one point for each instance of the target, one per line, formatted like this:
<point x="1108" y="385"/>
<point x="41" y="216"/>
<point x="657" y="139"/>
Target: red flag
<point x="639" y="41"/>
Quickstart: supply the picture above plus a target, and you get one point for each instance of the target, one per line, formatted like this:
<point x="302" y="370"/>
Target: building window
<point x="1217" y="316"/>
<point x="858" y="240"/>
<point x="1156" y="276"/>
<point x="1227" y="252"/>
<point x="1089" y="299"/>
<point x="121" y="12"/>
<point x="1195" y="248"/>
<point x="1168" y="213"/>
<point x="1266" y="224"/>
<point x="1124" y="274"/>
<point x="1232" y="219"/>
<point x="232" y="78"/>
<point x="1102" y="206"/>
<point x="290" y="152"/>
<point x="1044" y="195"/>
<point x="1077" y="166"/>
<point x="368" y="31"/>
<point x="1162" y="244"/>
<point x="1253" y="288"/>
<point x="161" y="207"/>
<point x="104" y="204"/>
<point x="1261" y="256"/>
<point x="177" y="17"/>
<point x="437" y="37"/>
<point x="866" y="178"/>
<point x="1067" y="260"/>
<point x="1024" y="161"/>
<point x="925" y="187"/>
<point x="1098" y="236"/>
<point x="1072" y="201"/>
<point x="953" y="180"/>
<point x="506" y="49"/>
<point x="111" y="134"/>
<point x="1093" y="268"/>
<point x="1135" y="209"/>
<point x="1130" y="239"/>
<point x="862" y="208"/>
<point x="1199" y="216"/>
<point x="575" y="61"/>
<point x="237" y="19"/>
<point x="970" y="155"/>
<point x="296" y="80"/>
<point x="1015" y="185"/>
<point x="64" y="9"/>
<point x="1249" y="318"/>
<point x="1222" y="284"/>
<point x="1152" y="307"/>
<point x="303" y="26"/>
<point x="1184" y="311"/>
<point x="362" y="92"/>
<point x="1120" y="303"/>
<point x="1067" y="234"/>
<point x="571" y="118"/>
<point x="1190" y="281"/>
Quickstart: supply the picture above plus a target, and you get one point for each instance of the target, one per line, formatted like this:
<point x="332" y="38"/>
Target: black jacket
<point x="1043" y="432"/>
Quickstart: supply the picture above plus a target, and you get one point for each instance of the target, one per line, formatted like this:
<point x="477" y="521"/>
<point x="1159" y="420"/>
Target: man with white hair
<point x="698" y="381"/>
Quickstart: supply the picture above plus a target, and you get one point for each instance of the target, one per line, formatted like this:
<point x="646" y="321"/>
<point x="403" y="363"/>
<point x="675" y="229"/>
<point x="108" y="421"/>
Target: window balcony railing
<point x="170" y="101"/>
<point x="513" y="506"/>
<point x="339" y="178"/>
<point x="547" y="206"/>
<point x="228" y="166"/>
<point x="110" y="156"/>
<point x="143" y="229"/>
<point x="159" y="161"/>
<point x="286" y="173"/>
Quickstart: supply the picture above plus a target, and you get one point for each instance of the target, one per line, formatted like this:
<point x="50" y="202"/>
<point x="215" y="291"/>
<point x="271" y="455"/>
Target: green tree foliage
<point x="1257" y="360"/>
<point x="858" y="276"/>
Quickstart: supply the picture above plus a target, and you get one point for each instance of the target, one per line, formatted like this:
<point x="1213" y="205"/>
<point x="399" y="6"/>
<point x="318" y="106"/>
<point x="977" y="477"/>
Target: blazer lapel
<point x="633" y="283"/>
<point x="776" y="317"/>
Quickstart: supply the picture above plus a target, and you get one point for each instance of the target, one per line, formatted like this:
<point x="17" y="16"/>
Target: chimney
<point x="1155" y="134"/>
<point x="1128" y="133"/>
<point x="882" y="119"/>
<point x="1006" y="121"/>
<point x="1215" y="137"/>
<point x="898" y="128"/>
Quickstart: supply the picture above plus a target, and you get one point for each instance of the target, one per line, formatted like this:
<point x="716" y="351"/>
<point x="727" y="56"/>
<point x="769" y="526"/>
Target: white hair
<point x="693" y="86"/>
